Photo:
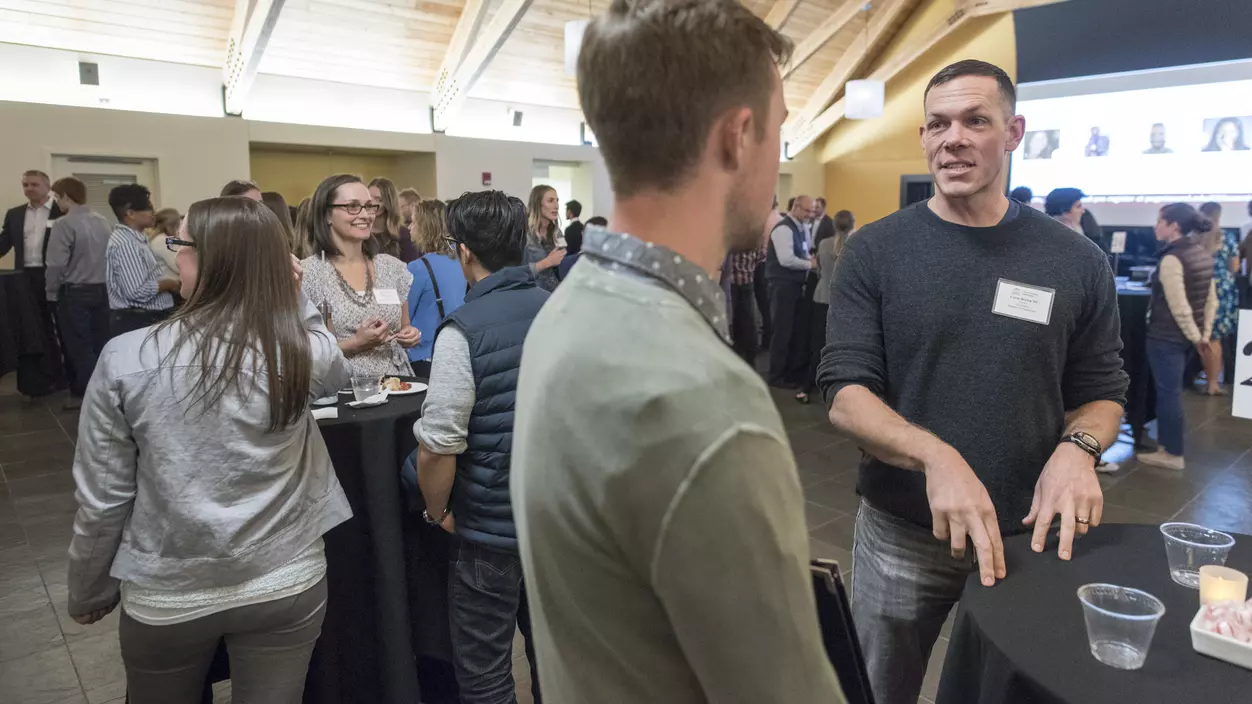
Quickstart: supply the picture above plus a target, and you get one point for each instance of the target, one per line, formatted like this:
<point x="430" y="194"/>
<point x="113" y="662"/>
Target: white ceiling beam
<point x="807" y="132"/>
<point x="447" y="99"/>
<point x="466" y="31"/>
<point x="250" y="32"/>
<point x="779" y="13"/>
<point x="852" y="60"/>
<point x="810" y="130"/>
<point x="824" y="32"/>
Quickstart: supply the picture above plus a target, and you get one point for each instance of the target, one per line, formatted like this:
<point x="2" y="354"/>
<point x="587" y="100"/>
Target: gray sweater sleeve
<point x="1093" y="365"/>
<point x="444" y="424"/>
<point x="854" y="354"/>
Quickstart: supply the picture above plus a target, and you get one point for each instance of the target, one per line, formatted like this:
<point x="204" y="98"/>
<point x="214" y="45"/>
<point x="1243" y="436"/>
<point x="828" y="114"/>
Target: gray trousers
<point x="269" y="645"/>
<point x="904" y="583"/>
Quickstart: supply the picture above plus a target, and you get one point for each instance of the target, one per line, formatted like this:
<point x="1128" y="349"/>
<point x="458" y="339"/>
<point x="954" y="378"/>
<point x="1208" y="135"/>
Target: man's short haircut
<point x="409" y="196"/>
<point x="239" y="187"/>
<point x="1061" y="201"/>
<point x="129" y="196"/>
<point x="974" y="67"/>
<point x="574" y="207"/>
<point x="72" y="188"/>
<point x="654" y="76"/>
<point x="36" y="172"/>
<point x="820" y="200"/>
<point x="492" y="225"/>
<point x="1022" y="194"/>
<point x="597" y="221"/>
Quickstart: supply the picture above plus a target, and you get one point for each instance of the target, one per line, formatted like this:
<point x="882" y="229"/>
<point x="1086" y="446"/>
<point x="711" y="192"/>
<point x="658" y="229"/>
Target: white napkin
<point x="376" y="400"/>
<point x="325" y="413"/>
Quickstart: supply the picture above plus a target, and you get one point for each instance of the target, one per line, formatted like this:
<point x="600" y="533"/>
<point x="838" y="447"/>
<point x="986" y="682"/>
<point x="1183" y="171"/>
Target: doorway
<point x="100" y="174"/>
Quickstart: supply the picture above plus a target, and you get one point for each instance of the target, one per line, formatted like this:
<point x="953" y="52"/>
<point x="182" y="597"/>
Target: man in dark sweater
<point x="465" y="439"/>
<point x="983" y="386"/>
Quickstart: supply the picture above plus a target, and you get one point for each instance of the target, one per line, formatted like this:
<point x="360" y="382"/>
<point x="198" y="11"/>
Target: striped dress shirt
<point x="133" y="272"/>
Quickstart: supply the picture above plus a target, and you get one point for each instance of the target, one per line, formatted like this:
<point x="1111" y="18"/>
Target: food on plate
<point x="392" y="383"/>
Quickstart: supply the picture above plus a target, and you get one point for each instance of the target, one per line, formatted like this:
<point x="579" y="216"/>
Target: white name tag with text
<point x="1024" y="302"/>
<point x="386" y="296"/>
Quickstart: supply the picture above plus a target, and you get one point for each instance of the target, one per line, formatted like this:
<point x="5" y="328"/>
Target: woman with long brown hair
<point x="389" y="220"/>
<point x="204" y="485"/>
<point x="1224" y="246"/>
<point x="366" y="290"/>
<point x="438" y="281"/>
<point x="278" y="206"/>
<point x="543" y="250"/>
<point x="302" y="230"/>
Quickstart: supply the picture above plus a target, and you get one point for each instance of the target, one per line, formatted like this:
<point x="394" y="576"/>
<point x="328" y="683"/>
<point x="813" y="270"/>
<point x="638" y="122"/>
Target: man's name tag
<point x="1032" y="303"/>
<point x="386" y="297"/>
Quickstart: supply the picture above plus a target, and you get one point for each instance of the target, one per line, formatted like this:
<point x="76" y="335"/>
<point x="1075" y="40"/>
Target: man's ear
<point x="1017" y="132"/>
<point x="733" y="132"/>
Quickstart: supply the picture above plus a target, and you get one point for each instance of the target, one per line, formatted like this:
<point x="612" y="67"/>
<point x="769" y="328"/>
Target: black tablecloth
<point x="25" y="342"/>
<point x="1024" y="641"/>
<point x="1132" y="306"/>
<point x="377" y="566"/>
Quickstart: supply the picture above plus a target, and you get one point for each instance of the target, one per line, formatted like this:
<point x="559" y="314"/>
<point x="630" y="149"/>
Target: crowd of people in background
<point x="593" y="524"/>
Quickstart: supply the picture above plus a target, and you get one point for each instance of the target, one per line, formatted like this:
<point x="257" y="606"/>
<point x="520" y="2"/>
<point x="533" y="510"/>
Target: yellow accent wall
<point x="866" y="158"/>
<point x="295" y="174"/>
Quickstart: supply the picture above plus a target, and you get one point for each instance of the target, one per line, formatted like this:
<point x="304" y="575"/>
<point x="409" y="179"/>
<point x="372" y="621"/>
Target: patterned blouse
<point x="323" y="285"/>
<point x="1227" y="292"/>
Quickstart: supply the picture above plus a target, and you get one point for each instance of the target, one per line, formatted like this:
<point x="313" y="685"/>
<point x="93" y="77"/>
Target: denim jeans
<point x="84" y="318"/>
<point x="487" y="602"/>
<point x="1168" y="360"/>
<point x="904" y="583"/>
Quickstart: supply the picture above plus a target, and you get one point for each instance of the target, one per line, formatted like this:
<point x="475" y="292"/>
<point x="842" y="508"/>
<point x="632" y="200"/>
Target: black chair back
<point x="835" y="617"/>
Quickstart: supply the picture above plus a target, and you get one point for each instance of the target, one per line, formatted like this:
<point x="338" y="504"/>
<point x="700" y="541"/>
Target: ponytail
<point x="1188" y="219"/>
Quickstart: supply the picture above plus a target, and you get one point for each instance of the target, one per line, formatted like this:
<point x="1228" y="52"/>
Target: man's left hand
<point x="1068" y="486"/>
<point x="449" y="524"/>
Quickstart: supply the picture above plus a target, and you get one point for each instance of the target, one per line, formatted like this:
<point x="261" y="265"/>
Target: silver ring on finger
<point x="1082" y="521"/>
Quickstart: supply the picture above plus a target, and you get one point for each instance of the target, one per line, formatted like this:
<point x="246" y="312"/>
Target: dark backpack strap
<point x="434" y="282"/>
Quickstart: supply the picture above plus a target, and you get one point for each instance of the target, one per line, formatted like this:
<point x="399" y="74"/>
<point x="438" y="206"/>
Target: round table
<point x="373" y="624"/>
<point x="1024" y="640"/>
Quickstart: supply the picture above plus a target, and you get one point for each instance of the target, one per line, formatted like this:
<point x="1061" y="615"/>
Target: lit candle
<point x="1219" y="583"/>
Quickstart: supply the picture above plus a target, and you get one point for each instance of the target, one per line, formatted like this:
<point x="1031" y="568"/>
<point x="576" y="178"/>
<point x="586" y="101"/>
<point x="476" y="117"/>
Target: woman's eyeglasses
<point x="173" y="244"/>
<point x="356" y="208"/>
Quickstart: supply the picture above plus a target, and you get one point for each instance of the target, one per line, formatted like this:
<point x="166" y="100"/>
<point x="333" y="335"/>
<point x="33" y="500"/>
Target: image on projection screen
<point x="1191" y="141"/>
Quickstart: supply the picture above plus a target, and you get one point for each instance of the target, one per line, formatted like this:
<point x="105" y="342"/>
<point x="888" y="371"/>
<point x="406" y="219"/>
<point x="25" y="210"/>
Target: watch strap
<point x="1086" y="442"/>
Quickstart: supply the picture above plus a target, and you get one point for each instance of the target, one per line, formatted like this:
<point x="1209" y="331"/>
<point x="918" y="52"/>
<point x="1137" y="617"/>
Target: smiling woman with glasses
<point x="364" y="291"/>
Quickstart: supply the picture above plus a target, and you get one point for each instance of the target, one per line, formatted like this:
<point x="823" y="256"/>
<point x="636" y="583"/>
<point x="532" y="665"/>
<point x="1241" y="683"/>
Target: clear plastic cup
<point x="1190" y="547"/>
<point x="1120" y="623"/>
<point x="365" y="386"/>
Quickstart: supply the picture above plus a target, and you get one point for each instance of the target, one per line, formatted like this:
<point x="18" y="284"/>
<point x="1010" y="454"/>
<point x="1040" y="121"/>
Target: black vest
<point x="496" y="315"/>
<point x="1197" y="273"/>
<point x="774" y="268"/>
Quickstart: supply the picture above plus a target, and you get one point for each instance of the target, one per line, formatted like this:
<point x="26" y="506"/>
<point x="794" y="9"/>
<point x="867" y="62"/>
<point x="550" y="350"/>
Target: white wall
<point x="36" y="75"/>
<point x="460" y="163"/>
<point x="195" y="155"/>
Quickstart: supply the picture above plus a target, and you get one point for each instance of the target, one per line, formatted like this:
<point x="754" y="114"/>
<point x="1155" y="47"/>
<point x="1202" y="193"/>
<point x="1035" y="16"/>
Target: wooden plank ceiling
<point x="401" y="44"/>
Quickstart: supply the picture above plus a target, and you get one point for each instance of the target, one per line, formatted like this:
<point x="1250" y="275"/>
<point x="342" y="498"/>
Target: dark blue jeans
<point x="83" y="311"/>
<point x="1168" y="360"/>
<point x="487" y="602"/>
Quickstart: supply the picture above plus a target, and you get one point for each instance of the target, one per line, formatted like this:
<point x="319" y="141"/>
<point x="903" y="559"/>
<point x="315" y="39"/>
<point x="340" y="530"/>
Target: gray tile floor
<point x="46" y="658"/>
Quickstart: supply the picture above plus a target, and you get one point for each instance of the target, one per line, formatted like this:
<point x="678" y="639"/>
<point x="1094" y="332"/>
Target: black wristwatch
<point x="1087" y="442"/>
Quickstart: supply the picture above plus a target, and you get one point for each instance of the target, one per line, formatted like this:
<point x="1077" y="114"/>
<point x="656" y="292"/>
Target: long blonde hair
<point x="166" y="225"/>
<point x="430" y="227"/>
<point x="389" y="214"/>
<point x="534" y="215"/>
<point x="1212" y="238"/>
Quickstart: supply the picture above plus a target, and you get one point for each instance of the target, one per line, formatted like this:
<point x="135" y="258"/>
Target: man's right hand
<point x="961" y="508"/>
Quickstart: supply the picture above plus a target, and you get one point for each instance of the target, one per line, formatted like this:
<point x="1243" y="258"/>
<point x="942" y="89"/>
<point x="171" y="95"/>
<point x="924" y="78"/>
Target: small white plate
<point x="326" y="401"/>
<point x="415" y="387"/>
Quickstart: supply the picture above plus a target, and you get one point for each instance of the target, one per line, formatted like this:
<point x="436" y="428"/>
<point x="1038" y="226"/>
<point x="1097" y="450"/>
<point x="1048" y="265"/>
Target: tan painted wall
<point x="865" y="158"/>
